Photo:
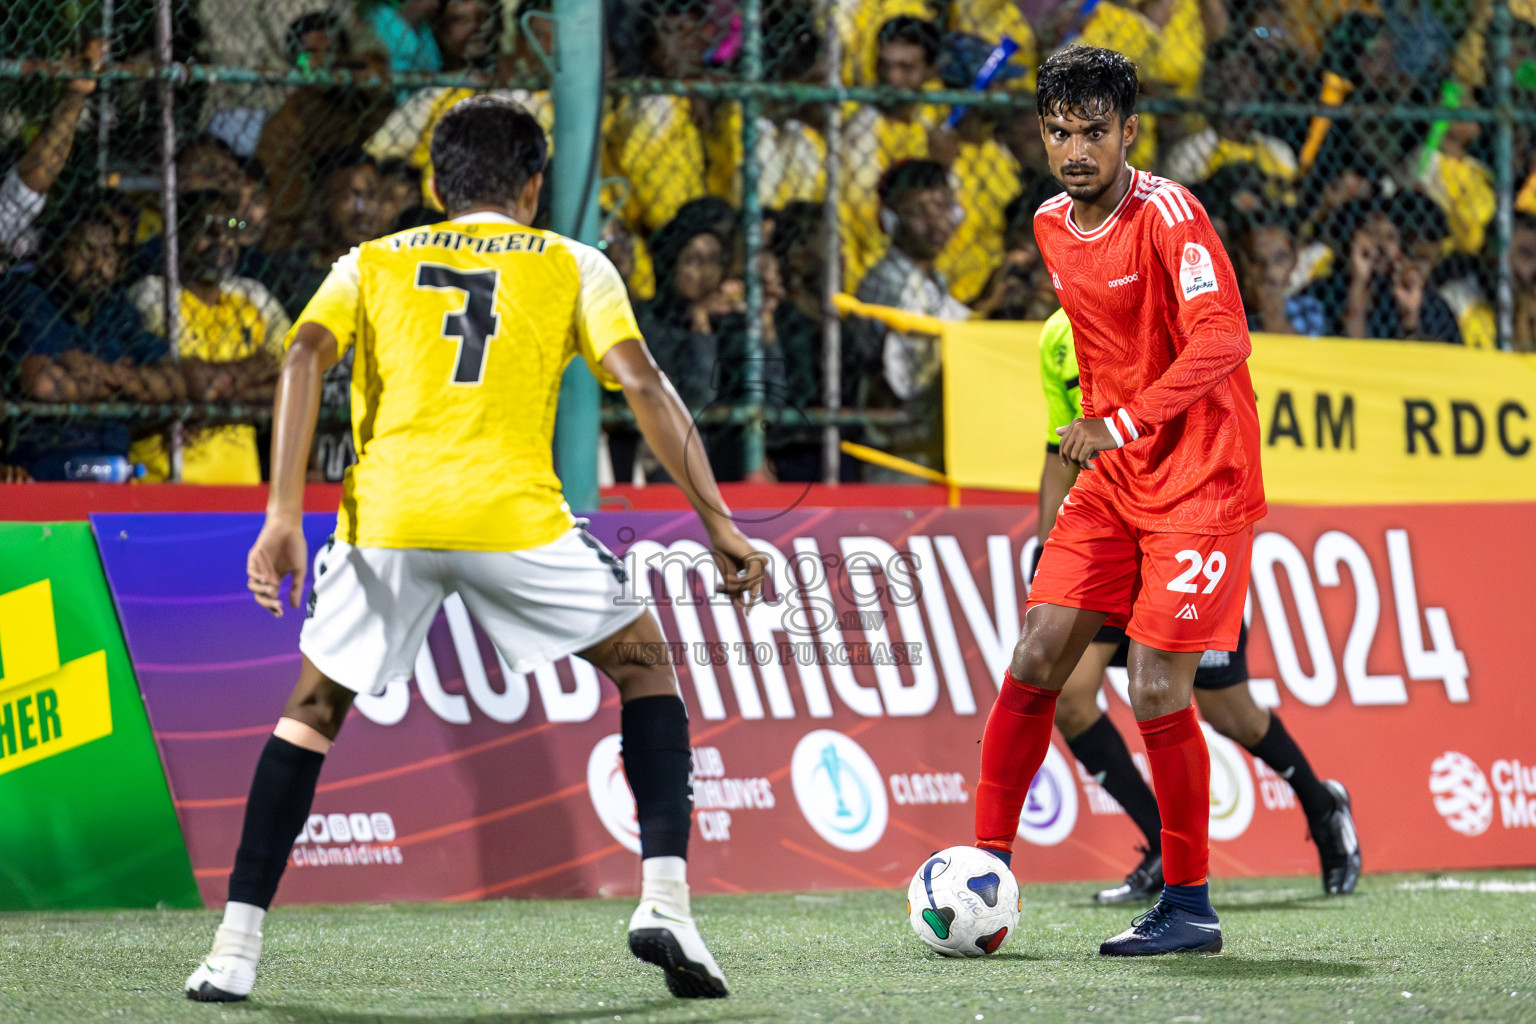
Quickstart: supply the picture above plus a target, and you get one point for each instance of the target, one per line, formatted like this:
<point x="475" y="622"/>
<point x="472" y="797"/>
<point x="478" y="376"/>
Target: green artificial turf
<point x="1402" y="948"/>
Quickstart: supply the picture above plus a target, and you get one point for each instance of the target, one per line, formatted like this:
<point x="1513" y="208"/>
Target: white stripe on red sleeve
<point x="1130" y="425"/>
<point x="1119" y="441"/>
<point x="1178" y="195"/>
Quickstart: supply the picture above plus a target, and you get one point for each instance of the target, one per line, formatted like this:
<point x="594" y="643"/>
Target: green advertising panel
<point x="87" y="819"/>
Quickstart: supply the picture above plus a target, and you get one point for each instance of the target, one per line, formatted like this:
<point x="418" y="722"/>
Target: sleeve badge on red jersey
<point x="1197" y="273"/>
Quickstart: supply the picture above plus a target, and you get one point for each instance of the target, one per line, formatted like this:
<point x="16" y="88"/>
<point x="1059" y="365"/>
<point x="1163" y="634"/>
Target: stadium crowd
<point x="1359" y="227"/>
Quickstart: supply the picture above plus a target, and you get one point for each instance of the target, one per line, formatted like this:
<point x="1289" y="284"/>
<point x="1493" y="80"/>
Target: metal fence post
<point x="832" y="272"/>
<point x="752" y="218"/>
<point x="165" y="62"/>
<point x="578" y="95"/>
<point x="104" y="102"/>
<point x="1504" y="167"/>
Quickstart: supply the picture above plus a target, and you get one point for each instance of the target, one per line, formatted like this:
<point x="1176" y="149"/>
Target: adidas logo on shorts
<point x="1187" y="612"/>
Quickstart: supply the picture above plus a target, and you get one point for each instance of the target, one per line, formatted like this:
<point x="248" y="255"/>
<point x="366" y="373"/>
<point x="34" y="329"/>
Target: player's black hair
<point x="910" y="176"/>
<point x="485" y="150"/>
<point x="905" y="28"/>
<point x="1087" y="82"/>
<point x="1418" y="217"/>
<point x="1524" y="221"/>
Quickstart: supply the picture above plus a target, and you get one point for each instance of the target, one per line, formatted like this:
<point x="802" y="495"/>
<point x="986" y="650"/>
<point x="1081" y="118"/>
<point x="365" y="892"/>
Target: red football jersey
<point x="1162" y="343"/>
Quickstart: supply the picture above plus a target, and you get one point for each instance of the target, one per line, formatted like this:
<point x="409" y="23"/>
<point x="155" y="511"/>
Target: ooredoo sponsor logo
<point x="1050" y="807"/>
<point x="1231" y="787"/>
<point x="1461" y="793"/>
<point x="839" y="790"/>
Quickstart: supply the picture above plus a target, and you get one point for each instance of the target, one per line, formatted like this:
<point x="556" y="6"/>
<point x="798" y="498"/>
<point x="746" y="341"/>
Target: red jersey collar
<point x="1099" y="232"/>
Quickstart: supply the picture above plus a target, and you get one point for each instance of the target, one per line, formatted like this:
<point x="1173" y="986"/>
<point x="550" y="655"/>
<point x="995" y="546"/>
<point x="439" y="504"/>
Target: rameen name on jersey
<point x="515" y="241"/>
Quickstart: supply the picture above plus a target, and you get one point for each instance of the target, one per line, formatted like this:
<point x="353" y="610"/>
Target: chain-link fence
<point x="178" y="176"/>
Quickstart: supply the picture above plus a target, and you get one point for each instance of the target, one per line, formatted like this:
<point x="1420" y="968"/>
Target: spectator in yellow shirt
<point x="1460" y="183"/>
<point x="876" y="137"/>
<point x="859" y="25"/>
<point x="985" y="175"/>
<point x="791" y="150"/>
<point x="655" y="142"/>
<point x="229" y="342"/>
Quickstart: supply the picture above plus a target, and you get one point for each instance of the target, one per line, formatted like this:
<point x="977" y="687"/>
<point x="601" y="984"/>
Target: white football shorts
<point x="370" y="608"/>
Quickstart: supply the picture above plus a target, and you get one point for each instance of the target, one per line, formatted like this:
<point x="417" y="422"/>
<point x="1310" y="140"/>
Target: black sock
<point x="1102" y="751"/>
<point x="657" y="763"/>
<point x="1281" y="753"/>
<point x="281" y="793"/>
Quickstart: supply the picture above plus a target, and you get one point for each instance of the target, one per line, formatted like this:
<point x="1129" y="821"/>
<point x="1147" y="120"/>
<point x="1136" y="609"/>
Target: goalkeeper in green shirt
<point x="1220" y="688"/>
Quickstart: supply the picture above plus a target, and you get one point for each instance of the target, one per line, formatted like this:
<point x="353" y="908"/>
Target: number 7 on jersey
<point x="475" y="324"/>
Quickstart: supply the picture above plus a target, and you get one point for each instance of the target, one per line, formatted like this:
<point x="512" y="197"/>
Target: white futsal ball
<point x="963" y="901"/>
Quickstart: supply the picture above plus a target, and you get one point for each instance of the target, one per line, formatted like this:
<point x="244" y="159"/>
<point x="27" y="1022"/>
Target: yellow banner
<point x="1343" y="422"/>
<point x="46" y="707"/>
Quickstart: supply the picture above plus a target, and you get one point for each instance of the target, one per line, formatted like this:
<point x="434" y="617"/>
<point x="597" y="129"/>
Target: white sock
<point x="243" y="917"/>
<point x="665" y="880"/>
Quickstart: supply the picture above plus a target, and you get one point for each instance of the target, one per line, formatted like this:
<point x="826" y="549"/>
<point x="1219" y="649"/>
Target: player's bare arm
<point x="664" y="421"/>
<point x="280" y="550"/>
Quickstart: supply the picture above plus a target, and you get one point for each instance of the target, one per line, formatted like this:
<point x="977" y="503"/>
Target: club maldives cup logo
<point x="1050" y="806"/>
<point x="1461" y="793"/>
<point x="839" y="789"/>
<point x="1232" y="792"/>
<point x="609" y="790"/>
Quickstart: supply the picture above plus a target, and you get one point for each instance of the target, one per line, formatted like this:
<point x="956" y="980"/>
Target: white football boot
<point x="662" y="932"/>
<point x="228" y="973"/>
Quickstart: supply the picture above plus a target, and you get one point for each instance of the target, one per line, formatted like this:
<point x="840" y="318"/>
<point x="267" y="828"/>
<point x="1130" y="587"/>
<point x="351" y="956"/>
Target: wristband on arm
<point x="1122" y="428"/>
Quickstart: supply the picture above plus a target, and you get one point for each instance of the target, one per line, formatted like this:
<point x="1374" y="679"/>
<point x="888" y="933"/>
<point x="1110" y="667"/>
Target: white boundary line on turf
<point x="1457" y="885"/>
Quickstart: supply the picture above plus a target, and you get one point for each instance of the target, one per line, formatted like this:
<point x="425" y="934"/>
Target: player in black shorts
<point x="1228" y="706"/>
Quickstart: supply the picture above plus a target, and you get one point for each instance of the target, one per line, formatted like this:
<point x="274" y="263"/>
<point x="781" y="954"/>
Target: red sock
<point x="1181" y="777"/>
<point x="1013" y="747"/>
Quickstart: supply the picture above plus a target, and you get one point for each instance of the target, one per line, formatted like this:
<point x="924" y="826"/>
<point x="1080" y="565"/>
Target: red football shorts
<point x="1169" y="591"/>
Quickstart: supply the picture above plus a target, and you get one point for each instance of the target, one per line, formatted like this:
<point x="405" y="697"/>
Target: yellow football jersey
<point x="462" y="332"/>
<point x="246" y="320"/>
<point x="986" y="177"/>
